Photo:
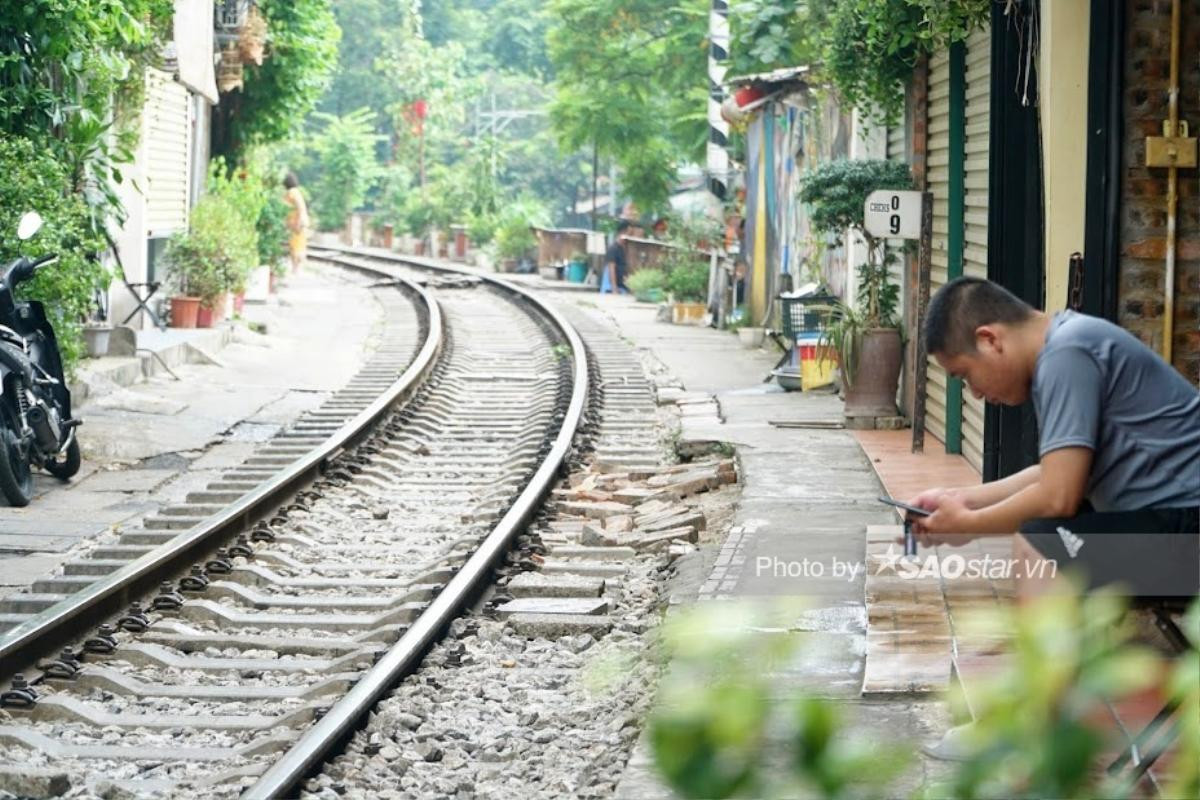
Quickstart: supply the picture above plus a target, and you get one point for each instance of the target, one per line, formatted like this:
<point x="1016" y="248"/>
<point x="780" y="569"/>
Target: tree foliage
<point x="869" y="47"/>
<point x="769" y="34"/>
<point x="626" y="77"/>
<point x="346" y="149"/>
<point x="31" y="179"/>
<point x="303" y="38"/>
<point x="72" y="78"/>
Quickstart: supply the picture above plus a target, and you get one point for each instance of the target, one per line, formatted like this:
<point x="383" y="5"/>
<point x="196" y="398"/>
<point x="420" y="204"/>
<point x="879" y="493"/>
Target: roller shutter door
<point x="938" y="176"/>
<point x="166" y="146"/>
<point x="975" y="211"/>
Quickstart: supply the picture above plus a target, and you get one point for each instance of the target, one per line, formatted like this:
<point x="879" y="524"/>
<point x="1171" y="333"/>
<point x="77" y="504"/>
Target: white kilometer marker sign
<point x="891" y="214"/>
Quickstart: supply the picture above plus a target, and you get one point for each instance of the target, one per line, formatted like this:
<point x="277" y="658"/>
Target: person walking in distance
<point x="297" y="220"/>
<point x="615" y="260"/>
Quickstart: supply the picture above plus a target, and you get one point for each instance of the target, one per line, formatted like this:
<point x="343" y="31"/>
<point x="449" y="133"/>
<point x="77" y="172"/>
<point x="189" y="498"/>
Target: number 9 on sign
<point x="890" y="214"/>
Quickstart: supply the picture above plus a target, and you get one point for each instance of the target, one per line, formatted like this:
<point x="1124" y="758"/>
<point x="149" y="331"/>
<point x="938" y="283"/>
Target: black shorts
<point x="1153" y="552"/>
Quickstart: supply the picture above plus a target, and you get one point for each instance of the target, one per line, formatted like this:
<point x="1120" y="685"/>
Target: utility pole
<point x="717" y="155"/>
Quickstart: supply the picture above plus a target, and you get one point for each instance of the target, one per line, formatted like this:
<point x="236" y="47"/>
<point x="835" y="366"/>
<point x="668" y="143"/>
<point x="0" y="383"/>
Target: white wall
<point x="867" y="141"/>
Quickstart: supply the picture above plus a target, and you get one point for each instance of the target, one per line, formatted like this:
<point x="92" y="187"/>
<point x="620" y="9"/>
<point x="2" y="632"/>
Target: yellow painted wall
<point x="1063" y="106"/>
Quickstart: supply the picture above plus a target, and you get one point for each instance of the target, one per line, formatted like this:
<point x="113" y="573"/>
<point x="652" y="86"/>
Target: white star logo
<point x="887" y="562"/>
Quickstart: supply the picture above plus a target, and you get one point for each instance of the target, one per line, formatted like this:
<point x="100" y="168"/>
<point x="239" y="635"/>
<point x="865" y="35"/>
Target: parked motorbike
<point x="36" y="428"/>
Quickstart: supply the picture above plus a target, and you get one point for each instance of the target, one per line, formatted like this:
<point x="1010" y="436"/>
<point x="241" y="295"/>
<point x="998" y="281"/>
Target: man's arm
<point x="1057" y="492"/>
<point x="984" y="494"/>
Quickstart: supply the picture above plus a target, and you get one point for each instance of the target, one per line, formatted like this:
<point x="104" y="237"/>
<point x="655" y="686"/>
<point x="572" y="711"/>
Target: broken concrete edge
<point x="100" y="376"/>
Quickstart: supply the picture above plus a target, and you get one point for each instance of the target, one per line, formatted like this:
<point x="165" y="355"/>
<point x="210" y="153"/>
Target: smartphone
<point x="920" y="512"/>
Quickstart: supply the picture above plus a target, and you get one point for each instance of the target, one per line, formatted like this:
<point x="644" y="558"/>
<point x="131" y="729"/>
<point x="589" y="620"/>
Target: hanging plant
<point x="230" y="72"/>
<point x="871" y="46"/>
<point x="252" y="37"/>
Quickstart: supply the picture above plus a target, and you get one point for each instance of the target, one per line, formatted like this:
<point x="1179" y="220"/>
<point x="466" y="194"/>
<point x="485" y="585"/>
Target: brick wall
<point x="1144" y="190"/>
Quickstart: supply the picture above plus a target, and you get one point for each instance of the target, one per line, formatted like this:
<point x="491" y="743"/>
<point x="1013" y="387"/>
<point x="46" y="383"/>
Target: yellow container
<point x="816" y="364"/>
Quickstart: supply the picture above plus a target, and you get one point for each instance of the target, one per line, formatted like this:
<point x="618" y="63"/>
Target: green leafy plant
<point x="1036" y="732"/>
<point x="836" y="193"/>
<point x="645" y="280"/>
<point x="869" y="47"/>
<point x="625" y="87"/>
<point x="719" y="730"/>
<point x="769" y="34"/>
<point x="32" y="179"/>
<point x="688" y="281"/>
<point x="345" y="147"/>
<point x="303" y="38"/>
<point x="716" y="720"/>
<point x="72" y="78"/>
<point x="221" y="245"/>
<point x="514" y="237"/>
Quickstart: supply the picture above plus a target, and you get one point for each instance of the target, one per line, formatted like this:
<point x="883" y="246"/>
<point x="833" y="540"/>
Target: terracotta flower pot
<point x="184" y="311"/>
<point x="872" y="393"/>
<point x="210" y="314"/>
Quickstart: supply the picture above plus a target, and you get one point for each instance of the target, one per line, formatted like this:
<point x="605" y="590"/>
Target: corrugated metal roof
<point x="782" y="75"/>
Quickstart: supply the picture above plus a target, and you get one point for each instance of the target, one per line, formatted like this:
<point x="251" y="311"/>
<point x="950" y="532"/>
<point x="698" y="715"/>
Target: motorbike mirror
<point x="31" y="223"/>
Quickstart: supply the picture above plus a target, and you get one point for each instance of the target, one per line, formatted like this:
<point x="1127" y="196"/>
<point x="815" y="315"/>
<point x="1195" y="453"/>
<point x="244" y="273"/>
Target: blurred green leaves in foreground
<point x="1040" y="719"/>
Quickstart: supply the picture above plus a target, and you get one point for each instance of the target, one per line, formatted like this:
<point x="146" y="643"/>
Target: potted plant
<point x="865" y="336"/>
<point x="195" y="279"/>
<point x="687" y="281"/>
<point x="95" y="338"/>
<point x="647" y="285"/>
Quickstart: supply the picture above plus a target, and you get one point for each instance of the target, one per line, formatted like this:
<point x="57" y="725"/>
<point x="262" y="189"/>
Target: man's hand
<point x="930" y="499"/>
<point x="947" y="524"/>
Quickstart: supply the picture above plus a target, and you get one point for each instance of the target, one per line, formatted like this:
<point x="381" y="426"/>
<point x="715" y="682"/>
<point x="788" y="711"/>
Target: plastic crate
<point x="806" y="315"/>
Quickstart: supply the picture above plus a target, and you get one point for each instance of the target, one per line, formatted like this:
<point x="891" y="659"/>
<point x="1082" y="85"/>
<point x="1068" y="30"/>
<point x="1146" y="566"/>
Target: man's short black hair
<point x="964" y="304"/>
<point x="623" y="225"/>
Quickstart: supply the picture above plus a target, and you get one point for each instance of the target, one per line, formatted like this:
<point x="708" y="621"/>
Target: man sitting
<point x="1118" y="443"/>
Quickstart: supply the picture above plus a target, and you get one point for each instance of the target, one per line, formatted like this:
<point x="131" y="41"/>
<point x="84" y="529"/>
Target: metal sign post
<point x="890" y="214"/>
<point x="922" y="361"/>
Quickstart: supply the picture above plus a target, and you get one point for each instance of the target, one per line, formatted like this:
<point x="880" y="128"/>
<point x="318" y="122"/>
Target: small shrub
<point x="221" y="246"/>
<point x="514" y="235"/>
<point x="33" y="180"/>
<point x="645" y="280"/>
<point x="688" y="282"/>
<point x="482" y="228"/>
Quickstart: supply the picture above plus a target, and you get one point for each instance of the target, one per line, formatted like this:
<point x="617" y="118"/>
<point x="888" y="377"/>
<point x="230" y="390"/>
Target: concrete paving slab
<point x="128" y="400"/>
<point x="124" y="480"/>
<point x="553" y="605"/>
<point x="808" y="497"/>
<point x="21" y="571"/>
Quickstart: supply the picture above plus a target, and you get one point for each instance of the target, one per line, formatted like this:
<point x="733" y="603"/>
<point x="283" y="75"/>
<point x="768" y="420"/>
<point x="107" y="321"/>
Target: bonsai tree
<point x="835" y="193"/>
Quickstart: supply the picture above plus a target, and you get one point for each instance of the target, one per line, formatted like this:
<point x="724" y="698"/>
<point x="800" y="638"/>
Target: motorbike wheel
<point x="69" y="465"/>
<point x="16" y="479"/>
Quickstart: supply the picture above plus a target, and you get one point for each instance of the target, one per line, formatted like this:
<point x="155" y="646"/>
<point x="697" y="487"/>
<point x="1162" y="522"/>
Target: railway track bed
<point x="249" y="670"/>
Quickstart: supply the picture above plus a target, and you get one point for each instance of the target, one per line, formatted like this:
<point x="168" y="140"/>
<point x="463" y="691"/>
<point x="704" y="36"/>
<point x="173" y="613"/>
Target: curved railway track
<point x="332" y="577"/>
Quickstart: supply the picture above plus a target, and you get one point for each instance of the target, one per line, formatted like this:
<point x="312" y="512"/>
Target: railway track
<point x="292" y="609"/>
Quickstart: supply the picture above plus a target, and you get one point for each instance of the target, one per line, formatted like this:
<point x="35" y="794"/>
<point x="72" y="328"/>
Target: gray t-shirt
<point x="1096" y="386"/>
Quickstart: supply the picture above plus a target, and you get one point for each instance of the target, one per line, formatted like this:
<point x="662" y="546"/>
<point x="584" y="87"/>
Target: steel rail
<point x="59" y="624"/>
<point x="311" y="750"/>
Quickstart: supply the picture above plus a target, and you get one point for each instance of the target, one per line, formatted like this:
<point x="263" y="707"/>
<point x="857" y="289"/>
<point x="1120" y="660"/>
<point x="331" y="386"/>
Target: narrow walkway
<point x="149" y="444"/>
<point x="810" y="494"/>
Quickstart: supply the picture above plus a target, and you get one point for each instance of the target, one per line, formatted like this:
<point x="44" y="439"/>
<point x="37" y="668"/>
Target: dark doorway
<point x="1015" y="213"/>
<point x="1102" y="221"/>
